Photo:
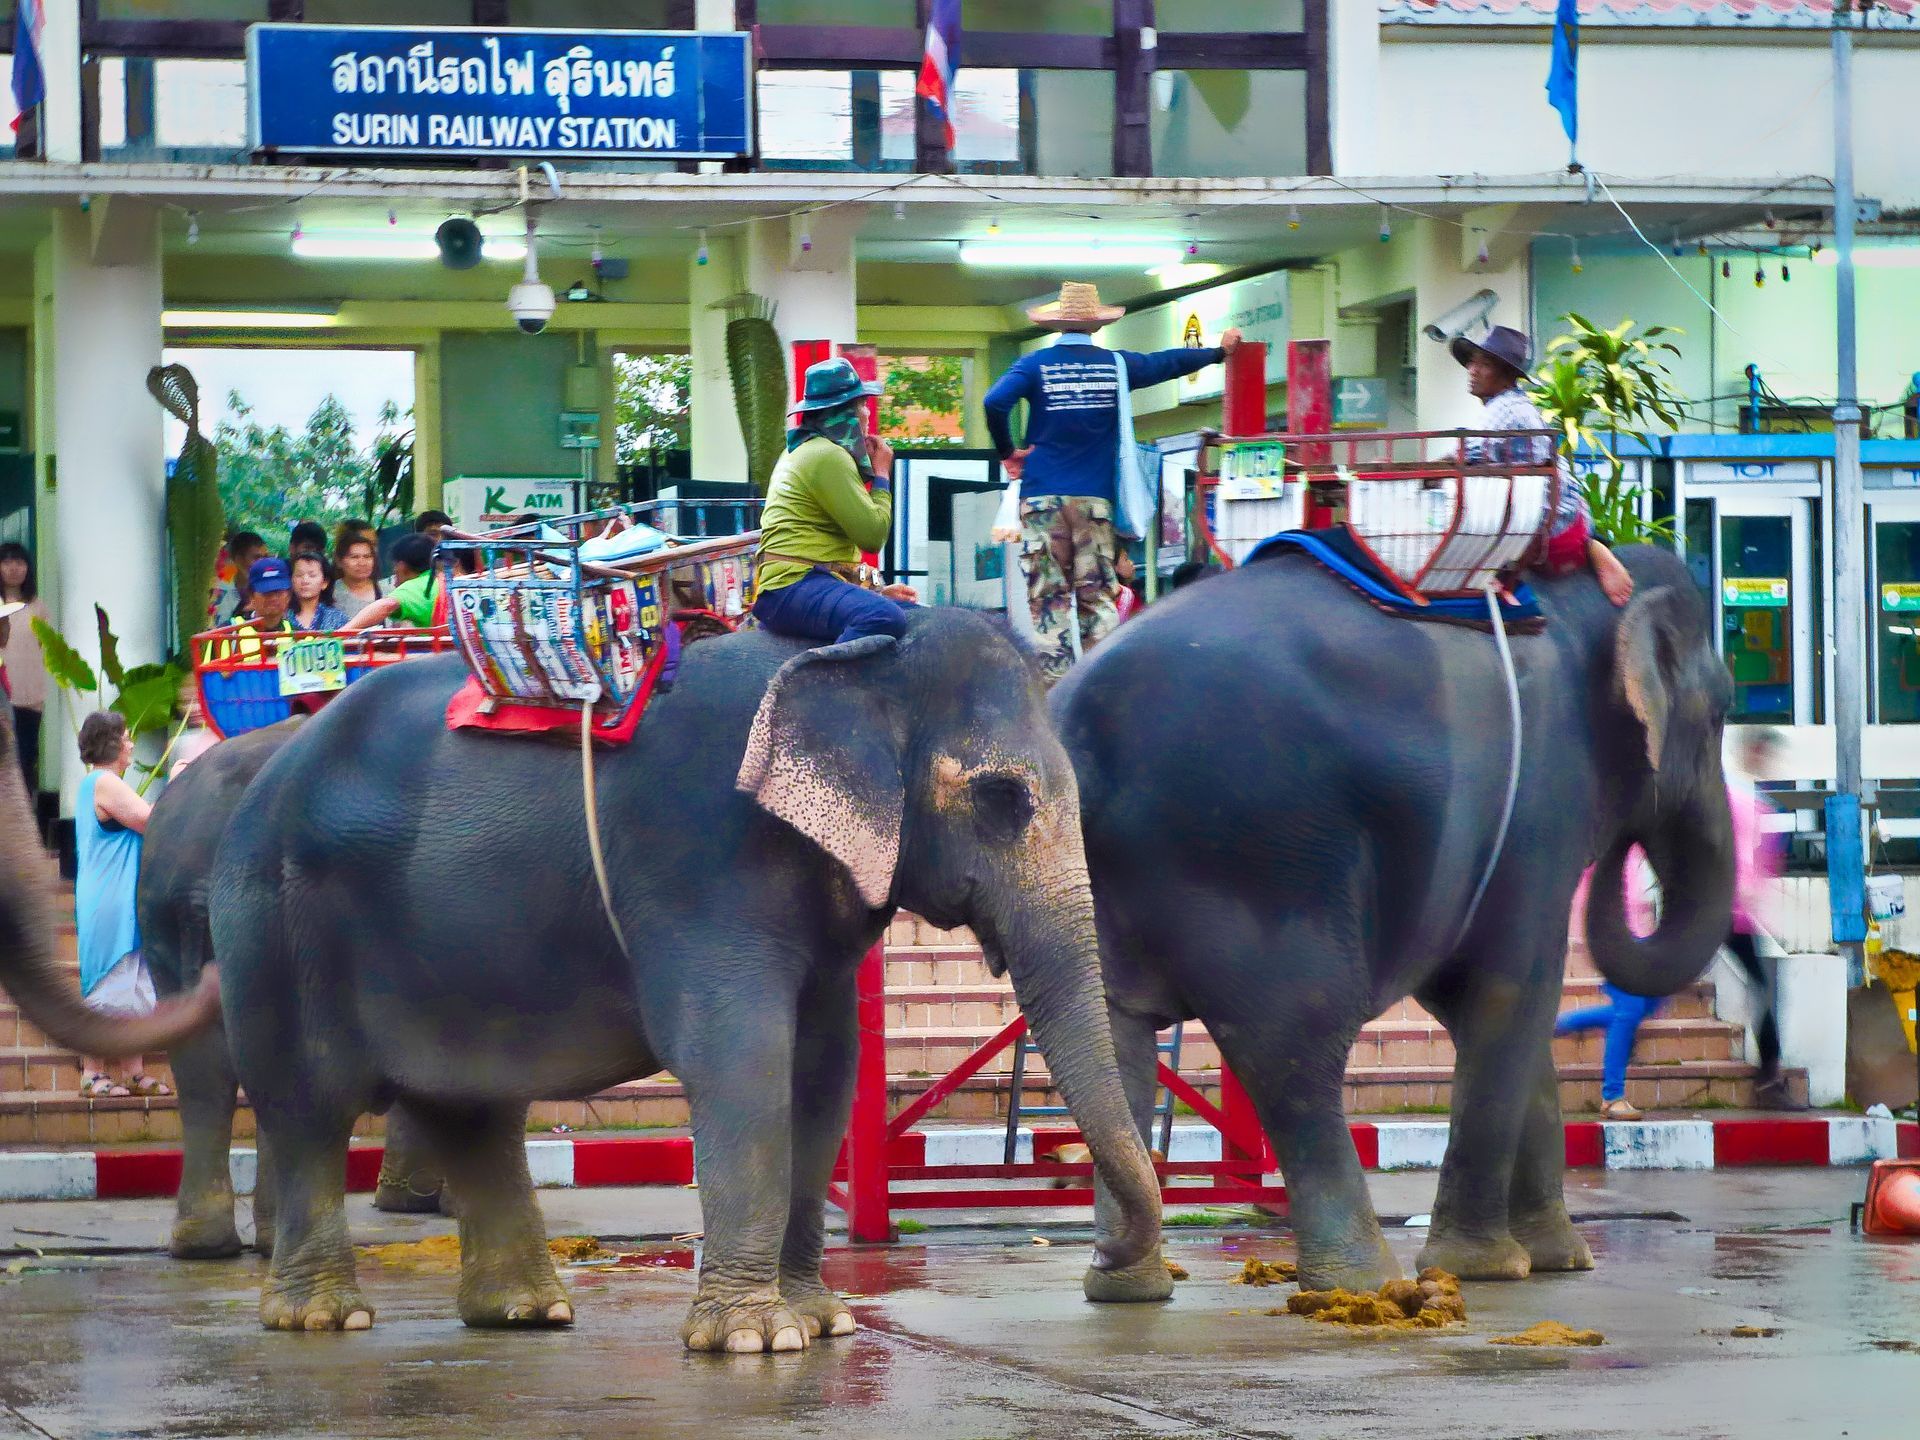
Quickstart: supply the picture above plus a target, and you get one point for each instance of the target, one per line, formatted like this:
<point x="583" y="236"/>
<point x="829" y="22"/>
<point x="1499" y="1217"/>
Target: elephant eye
<point x="1003" y="806"/>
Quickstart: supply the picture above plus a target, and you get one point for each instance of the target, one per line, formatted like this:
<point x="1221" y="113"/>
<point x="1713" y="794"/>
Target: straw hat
<point x="1077" y="308"/>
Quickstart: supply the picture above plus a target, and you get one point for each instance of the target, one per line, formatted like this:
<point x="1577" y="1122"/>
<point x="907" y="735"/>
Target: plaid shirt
<point x="1512" y="410"/>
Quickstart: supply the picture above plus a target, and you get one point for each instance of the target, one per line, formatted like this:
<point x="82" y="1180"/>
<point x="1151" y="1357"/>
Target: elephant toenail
<point x="789" y="1337"/>
<point x="700" y="1340"/>
<point x="560" y="1313"/>
<point x="812" y="1323"/>
<point x="358" y="1320"/>
<point x="517" y="1313"/>
<point x="318" y="1321"/>
<point x="842" y="1324"/>
<point x="745" y="1342"/>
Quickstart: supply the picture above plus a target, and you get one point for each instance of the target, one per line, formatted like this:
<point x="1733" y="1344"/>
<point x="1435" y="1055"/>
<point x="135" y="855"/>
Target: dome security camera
<point x="531" y="301"/>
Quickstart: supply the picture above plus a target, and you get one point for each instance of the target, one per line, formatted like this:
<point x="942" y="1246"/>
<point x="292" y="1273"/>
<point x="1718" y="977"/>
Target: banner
<point x="588" y="94"/>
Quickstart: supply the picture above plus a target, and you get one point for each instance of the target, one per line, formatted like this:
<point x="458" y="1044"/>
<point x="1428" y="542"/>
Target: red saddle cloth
<point x="471" y="708"/>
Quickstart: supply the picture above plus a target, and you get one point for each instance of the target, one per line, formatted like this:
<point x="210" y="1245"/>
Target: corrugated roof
<point x="1742" y="14"/>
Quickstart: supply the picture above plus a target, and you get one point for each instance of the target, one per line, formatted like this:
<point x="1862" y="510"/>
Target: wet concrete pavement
<point x="978" y="1333"/>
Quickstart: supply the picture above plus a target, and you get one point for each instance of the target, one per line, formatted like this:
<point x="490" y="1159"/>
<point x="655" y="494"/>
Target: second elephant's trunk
<point x="1691" y="852"/>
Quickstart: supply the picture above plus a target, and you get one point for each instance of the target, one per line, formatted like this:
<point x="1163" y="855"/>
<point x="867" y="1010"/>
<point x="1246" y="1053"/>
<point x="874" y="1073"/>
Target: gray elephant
<point x="175" y="873"/>
<point x="1291" y="803"/>
<point x="32" y="973"/>
<point x="405" y="912"/>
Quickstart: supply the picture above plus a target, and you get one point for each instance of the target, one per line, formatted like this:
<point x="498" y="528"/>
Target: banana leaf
<point x="148" y="695"/>
<point x="110" y="666"/>
<point x="757" y="367"/>
<point x="66" y="665"/>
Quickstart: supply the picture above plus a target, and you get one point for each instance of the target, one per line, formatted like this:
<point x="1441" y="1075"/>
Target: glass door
<point x="1896" y="609"/>
<point x="1752" y="554"/>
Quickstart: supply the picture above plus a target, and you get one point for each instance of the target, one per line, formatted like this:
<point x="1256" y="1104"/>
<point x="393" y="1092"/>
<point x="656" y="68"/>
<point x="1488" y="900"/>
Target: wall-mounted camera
<point x="531" y="301"/>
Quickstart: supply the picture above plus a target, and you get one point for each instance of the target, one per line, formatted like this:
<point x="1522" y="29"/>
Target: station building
<point x="1347" y="170"/>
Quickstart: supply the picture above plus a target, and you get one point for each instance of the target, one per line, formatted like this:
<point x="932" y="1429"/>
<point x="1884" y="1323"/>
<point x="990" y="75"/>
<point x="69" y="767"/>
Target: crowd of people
<point x="322" y="584"/>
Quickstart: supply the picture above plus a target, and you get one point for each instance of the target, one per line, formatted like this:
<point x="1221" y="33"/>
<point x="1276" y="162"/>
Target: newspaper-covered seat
<point x="584" y="610"/>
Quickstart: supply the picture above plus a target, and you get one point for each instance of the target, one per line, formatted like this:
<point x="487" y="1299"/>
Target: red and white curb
<point x="1390" y="1145"/>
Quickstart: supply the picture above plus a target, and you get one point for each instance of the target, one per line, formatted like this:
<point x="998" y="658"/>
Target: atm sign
<point x="1746" y="594"/>
<point x="1897" y="598"/>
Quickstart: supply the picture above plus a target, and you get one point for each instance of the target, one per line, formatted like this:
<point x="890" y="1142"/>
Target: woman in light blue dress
<point x="110" y="822"/>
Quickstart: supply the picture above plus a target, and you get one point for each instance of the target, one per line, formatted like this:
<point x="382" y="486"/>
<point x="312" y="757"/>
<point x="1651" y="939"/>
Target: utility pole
<point x="1845" y="857"/>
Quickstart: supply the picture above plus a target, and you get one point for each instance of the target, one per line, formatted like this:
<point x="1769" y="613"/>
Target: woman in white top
<point x="26" y="667"/>
<point x="355" y="588"/>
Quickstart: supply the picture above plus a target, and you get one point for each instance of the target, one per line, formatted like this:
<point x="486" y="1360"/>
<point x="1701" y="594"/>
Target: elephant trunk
<point x="30" y="972"/>
<point x="1048" y="941"/>
<point x="1691" y="851"/>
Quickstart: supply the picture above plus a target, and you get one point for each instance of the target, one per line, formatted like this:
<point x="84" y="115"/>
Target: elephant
<point x="1292" y="804"/>
<point x="175" y="874"/>
<point x="408" y="912"/>
<point x="29" y="969"/>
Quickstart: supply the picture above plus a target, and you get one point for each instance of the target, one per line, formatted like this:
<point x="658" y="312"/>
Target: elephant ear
<point x="826" y="756"/>
<point x="1647" y="662"/>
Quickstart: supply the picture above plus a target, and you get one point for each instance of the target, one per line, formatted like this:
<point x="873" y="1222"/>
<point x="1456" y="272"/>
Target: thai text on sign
<point x="1753" y="594"/>
<point x="316" y="89"/>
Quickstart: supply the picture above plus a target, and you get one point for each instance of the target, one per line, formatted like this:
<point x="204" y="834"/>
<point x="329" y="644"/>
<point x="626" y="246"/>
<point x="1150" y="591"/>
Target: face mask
<point x="845" y="427"/>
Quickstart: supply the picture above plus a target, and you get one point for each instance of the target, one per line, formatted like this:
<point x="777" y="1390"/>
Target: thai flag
<point x="29" y="84"/>
<point x="942" y="59"/>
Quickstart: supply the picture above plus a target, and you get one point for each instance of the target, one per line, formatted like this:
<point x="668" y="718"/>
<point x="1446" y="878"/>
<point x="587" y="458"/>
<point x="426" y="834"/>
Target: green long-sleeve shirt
<point x="817" y="509"/>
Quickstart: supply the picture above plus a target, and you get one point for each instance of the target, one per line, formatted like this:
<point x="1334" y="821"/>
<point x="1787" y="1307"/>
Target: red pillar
<point x="1243" y="408"/>
<point x="869" y="1220"/>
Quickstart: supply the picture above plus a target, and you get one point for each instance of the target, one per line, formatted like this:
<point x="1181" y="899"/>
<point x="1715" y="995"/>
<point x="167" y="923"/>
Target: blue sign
<point x="587" y="94"/>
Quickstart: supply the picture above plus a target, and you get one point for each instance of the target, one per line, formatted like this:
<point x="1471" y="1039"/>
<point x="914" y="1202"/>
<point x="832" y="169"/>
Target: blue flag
<point x="1563" y="77"/>
<point x="29" y="84"/>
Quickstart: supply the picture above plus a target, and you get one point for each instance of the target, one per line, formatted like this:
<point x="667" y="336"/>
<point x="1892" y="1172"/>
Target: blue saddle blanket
<point x="1339" y="552"/>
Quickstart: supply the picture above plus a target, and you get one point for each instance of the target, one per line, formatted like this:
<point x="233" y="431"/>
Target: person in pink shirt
<point x="1756" y="858"/>
<point x="1623" y="1012"/>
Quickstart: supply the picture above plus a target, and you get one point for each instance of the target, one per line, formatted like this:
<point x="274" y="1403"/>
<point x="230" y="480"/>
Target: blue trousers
<point x="1620" y="1018"/>
<point x="824" y="608"/>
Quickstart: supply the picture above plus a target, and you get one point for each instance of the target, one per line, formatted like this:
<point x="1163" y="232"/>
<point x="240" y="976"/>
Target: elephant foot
<point x="1478" y="1257"/>
<point x="537" y="1306"/>
<point x="398" y="1195"/>
<point x="1146" y="1279"/>
<point x="824" y="1312"/>
<point x="337" y="1307"/>
<point x="204" y="1237"/>
<point x="1552" y="1243"/>
<point x="745" y="1324"/>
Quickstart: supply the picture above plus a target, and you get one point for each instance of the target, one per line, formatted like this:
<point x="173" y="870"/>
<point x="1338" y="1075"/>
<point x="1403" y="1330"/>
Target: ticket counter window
<point x="1757" y="616"/>
<point x="1896" y="554"/>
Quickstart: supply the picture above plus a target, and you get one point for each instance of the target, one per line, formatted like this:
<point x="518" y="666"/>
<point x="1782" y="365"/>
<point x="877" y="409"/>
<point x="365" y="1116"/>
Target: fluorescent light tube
<point x="1032" y="255"/>
<point x="394" y="247"/>
<point x="246" y="319"/>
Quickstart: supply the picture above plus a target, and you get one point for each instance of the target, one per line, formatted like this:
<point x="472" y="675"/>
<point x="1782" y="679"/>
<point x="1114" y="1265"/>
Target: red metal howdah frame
<point x="879" y="1155"/>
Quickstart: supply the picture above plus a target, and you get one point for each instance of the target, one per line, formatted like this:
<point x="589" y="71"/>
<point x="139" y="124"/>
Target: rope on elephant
<point x="593" y="825"/>
<point x="1513" y="762"/>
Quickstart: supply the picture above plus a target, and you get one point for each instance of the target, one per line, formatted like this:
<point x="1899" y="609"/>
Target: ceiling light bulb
<point x="806" y="240"/>
<point x="700" y="256"/>
<point x="1759" y="278"/>
<point x="1577" y="265"/>
<point x="193" y="227"/>
<point x="392" y="219"/>
<point x="1193" y="247"/>
<point x="1484" y="257"/>
<point x="1769" y="220"/>
<point x="1786" y="274"/>
<point x="993" y="225"/>
<point x="1703" y="247"/>
<point x="1386" y="225"/>
<point x="899" y="209"/>
<point x="297" y="232"/>
<point x="1726" y="269"/>
<point x="1293" y="217"/>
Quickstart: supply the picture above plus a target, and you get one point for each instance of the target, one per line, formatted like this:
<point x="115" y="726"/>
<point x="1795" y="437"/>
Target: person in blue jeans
<point x="820" y="516"/>
<point x="1621" y="1018"/>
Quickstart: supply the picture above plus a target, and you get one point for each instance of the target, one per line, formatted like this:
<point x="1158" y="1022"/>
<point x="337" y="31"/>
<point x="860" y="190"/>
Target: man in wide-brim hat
<point x="1068" y="471"/>
<point x="1496" y="365"/>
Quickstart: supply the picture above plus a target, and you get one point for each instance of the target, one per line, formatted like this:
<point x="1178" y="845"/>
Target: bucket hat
<point x="833" y="382"/>
<point x="1502" y="342"/>
<point x="1077" y="307"/>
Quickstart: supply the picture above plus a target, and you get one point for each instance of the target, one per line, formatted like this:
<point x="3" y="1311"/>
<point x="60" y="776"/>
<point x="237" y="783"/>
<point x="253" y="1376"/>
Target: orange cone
<point x="1893" y="1198"/>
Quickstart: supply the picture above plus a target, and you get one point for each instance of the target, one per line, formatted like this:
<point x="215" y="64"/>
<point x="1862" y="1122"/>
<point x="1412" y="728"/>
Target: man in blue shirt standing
<point x="1069" y="468"/>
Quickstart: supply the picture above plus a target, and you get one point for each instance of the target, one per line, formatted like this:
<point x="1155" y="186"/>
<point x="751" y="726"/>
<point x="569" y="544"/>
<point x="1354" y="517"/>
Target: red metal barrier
<point x="877" y="1157"/>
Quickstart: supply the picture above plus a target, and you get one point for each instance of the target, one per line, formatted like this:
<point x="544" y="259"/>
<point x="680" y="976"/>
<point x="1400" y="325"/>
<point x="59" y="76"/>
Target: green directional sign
<point x="1360" y="402"/>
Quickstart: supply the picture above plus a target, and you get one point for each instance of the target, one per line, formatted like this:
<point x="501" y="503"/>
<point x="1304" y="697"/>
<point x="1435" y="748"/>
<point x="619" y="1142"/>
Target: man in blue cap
<point x="270" y="590"/>
<point x="820" y="517"/>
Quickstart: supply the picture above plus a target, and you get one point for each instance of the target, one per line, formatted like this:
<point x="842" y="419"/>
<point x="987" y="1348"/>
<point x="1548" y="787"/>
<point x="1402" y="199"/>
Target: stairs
<point x="942" y="1004"/>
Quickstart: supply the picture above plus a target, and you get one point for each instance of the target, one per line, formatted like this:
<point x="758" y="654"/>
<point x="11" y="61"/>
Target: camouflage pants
<point x="1068" y="553"/>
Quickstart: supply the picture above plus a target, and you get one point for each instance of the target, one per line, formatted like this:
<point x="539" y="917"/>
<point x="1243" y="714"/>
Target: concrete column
<point x="805" y="264"/>
<point x="428" y="473"/>
<point x="1354" y="60"/>
<point x="103" y="455"/>
<point x="60" y="115"/>
<point x="1443" y="280"/>
<point x="718" y="451"/>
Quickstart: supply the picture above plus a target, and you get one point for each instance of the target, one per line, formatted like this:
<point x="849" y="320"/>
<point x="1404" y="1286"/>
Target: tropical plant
<point x="652" y="405"/>
<point x="196" y="518"/>
<point x="145" y="695"/>
<point x="757" y="366"/>
<point x="270" y="476"/>
<point x="1596" y="386"/>
<point x="389" y="487"/>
